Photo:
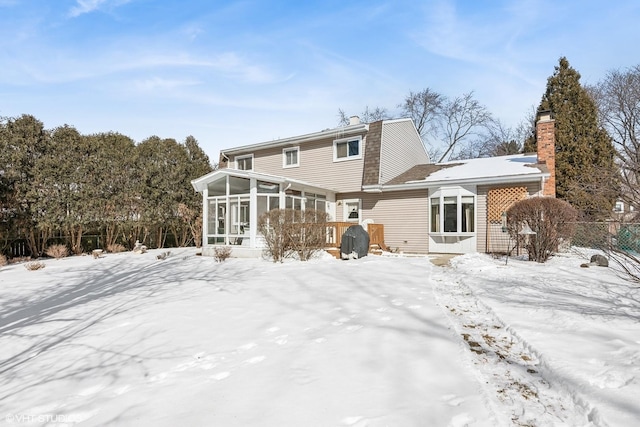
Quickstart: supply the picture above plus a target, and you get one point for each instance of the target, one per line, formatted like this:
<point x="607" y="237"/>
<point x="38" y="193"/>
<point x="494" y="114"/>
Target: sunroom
<point x="233" y="200"/>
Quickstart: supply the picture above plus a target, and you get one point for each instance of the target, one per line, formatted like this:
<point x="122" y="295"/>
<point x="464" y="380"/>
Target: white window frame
<point x="458" y="193"/>
<point x="247" y="156"/>
<point x="346" y="210"/>
<point x="284" y="157"/>
<point x="618" y="207"/>
<point x="348" y="157"/>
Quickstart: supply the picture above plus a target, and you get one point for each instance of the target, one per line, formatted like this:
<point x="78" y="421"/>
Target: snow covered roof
<point x="514" y="168"/>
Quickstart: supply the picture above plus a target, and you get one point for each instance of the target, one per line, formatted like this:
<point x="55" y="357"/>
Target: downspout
<point x="205" y="218"/>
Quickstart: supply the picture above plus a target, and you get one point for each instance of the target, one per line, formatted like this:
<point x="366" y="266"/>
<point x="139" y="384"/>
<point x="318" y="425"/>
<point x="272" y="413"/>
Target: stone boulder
<point x="599" y="260"/>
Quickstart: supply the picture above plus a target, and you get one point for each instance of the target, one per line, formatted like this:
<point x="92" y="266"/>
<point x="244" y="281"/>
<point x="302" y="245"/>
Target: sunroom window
<point x="452" y="211"/>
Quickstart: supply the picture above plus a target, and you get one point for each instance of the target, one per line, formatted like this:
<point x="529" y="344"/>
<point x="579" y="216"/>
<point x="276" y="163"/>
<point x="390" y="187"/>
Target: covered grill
<point x="354" y="243"/>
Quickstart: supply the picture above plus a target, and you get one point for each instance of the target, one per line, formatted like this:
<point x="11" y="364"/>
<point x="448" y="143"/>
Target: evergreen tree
<point x="64" y="185"/>
<point x="115" y="200"/>
<point x="191" y="210"/>
<point x="585" y="167"/>
<point x="22" y="142"/>
<point x="161" y="168"/>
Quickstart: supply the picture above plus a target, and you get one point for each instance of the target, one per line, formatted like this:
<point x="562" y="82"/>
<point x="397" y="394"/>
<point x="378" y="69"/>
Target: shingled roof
<point x="371" y="170"/>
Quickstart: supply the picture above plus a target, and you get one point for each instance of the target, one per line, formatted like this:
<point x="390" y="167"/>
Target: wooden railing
<point x="335" y="230"/>
<point x="376" y="235"/>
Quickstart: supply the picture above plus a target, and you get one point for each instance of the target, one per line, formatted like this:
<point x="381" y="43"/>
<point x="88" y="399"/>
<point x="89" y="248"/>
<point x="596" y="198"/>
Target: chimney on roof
<point x="354" y="120"/>
<point x="546" y="143"/>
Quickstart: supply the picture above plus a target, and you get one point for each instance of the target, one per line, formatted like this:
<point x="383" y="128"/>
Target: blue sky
<point x="240" y="72"/>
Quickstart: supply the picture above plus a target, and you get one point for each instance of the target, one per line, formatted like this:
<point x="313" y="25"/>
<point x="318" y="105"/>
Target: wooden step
<point x="334" y="252"/>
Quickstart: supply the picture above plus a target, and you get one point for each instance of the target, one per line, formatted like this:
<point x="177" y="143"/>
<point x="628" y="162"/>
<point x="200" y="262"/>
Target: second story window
<point x="347" y="149"/>
<point x="244" y="163"/>
<point x="290" y="157"/>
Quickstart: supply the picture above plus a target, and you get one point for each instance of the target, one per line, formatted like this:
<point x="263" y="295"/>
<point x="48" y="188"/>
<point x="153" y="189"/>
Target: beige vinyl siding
<point x="316" y="165"/>
<point x="401" y="149"/>
<point x="403" y="214"/>
<point x="533" y="188"/>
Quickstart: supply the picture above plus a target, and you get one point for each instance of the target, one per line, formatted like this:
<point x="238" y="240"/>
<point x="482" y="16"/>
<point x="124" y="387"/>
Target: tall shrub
<point x="308" y="233"/>
<point x="274" y="226"/>
<point x="552" y="221"/>
<point x="287" y="232"/>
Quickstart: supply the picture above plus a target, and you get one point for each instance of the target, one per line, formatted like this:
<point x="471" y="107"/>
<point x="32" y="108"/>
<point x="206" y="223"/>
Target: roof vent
<point x="354" y="120"/>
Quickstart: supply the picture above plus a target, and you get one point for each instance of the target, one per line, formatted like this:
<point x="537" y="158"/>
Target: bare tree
<point x="424" y="108"/>
<point x="463" y="117"/>
<point x="617" y="97"/>
<point x="618" y="101"/>
<point x="369" y="115"/>
<point x="437" y="118"/>
<point x="495" y="140"/>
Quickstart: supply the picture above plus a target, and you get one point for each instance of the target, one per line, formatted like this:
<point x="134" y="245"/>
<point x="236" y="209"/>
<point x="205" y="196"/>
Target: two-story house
<point x="373" y="173"/>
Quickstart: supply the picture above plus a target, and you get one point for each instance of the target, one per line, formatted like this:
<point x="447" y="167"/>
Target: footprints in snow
<point x="452" y="400"/>
<point x="509" y="366"/>
<point x="248" y="354"/>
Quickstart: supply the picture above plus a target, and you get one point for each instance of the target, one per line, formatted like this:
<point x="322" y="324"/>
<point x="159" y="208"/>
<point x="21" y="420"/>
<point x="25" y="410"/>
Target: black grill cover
<point x="355" y="243"/>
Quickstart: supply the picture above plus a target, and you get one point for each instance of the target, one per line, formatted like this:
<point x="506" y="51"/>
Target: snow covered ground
<point x="130" y="339"/>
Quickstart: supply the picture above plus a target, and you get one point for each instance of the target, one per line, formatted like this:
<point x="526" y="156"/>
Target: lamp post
<point x="525" y="231"/>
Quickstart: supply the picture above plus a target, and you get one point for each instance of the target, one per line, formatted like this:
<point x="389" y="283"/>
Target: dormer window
<point x="347" y="149"/>
<point x="244" y="163"/>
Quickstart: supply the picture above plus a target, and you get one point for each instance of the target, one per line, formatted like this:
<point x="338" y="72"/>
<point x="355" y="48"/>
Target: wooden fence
<point x="335" y="230"/>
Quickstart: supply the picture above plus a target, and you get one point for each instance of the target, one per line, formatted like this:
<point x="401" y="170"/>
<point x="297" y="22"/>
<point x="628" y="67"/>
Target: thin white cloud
<point x="163" y="84"/>
<point x="65" y="67"/>
<point x="88" y="6"/>
<point x="193" y="31"/>
<point x="481" y="39"/>
<point x="85" y="6"/>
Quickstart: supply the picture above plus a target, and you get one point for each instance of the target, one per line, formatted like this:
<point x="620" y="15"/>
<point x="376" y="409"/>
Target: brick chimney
<point x="546" y="142"/>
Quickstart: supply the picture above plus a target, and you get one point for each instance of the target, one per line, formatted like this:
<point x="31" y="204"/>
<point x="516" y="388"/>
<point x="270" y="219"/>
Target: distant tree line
<point x="62" y="184"/>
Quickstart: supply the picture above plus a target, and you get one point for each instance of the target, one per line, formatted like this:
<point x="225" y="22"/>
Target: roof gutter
<point x="417" y="185"/>
<point x="201" y="183"/>
<point x="338" y="132"/>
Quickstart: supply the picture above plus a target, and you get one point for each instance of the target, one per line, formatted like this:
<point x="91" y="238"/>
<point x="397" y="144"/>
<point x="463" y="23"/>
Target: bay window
<point x="452" y="211"/>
